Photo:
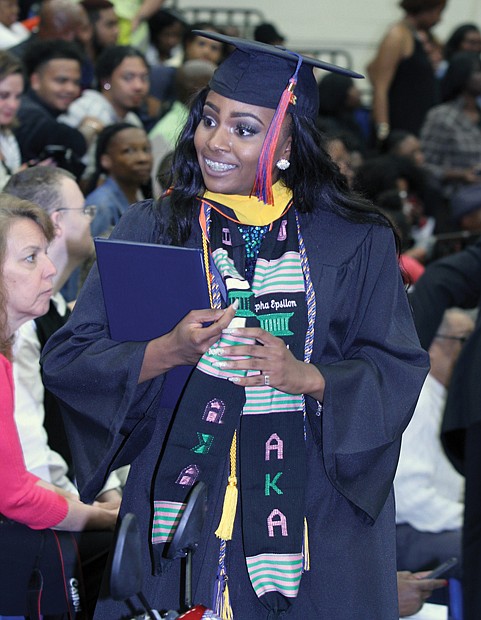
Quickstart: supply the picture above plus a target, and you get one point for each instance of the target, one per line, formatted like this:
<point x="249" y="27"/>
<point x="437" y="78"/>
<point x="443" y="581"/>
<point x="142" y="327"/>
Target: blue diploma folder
<point x="147" y="290"/>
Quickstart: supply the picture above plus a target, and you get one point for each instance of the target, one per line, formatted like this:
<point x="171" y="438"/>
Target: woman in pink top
<point x="26" y="502"/>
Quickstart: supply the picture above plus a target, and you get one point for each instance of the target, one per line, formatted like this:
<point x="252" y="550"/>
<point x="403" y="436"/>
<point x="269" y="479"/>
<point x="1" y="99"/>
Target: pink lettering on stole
<point x="274" y="443"/>
<point x="272" y="522"/>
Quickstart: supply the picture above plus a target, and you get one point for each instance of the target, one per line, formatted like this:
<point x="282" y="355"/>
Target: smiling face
<point x="27" y="273"/>
<point x="229" y="140"/>
<point x="57" y="83"/>
<point x="11" y="89"/>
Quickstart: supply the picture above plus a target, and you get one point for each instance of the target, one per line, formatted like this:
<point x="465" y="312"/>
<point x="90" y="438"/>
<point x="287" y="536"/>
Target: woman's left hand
<point x="277" y="365"/>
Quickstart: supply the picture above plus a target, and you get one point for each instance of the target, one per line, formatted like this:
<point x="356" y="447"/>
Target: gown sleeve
<point x="447" y="282"/>
<point x="373" y="365"/>
<point x="22" y="499"/>
<point x="108" y="416"/>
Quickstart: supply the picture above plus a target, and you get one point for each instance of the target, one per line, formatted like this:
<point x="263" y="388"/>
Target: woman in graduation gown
<point x="296" y="404"/>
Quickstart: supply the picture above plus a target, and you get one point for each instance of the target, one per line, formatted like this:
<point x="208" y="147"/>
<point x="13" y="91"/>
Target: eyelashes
<point x="243" y="129"/>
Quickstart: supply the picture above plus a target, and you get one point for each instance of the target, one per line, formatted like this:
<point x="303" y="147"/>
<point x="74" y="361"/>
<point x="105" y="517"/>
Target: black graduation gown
<point x="367" y="349"/>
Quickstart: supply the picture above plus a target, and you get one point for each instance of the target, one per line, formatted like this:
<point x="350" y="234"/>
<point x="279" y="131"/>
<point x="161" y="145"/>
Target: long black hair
<point x="458" y="74"/>
<point x="314" y="179"/>
<point x="453" y="44"/>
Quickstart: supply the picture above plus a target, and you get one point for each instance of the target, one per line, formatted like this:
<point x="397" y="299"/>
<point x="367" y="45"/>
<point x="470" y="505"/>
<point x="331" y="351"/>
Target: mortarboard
<point x="272" y="77"/>
<point x="258" y="73"/>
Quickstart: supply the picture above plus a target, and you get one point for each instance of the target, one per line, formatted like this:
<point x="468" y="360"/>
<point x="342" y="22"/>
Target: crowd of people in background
<point x="93" y="99"/>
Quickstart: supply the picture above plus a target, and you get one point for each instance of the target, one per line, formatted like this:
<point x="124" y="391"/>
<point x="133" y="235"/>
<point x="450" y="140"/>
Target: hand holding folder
<point x="148" y="289"/>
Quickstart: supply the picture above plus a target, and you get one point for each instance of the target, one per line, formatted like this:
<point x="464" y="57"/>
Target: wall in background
<point x="353" y="25"/>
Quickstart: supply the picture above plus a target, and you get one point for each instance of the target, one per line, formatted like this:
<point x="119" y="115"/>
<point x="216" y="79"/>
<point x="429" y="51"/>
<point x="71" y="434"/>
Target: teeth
<point x="217" y="166"/>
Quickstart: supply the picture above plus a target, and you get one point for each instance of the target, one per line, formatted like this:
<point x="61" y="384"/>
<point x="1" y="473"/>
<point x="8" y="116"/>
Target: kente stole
<point x="269" y="423"/>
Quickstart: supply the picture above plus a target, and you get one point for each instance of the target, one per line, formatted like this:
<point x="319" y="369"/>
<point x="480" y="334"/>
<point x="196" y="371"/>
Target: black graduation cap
<point x="271" y="77"/>
<point x="258" y="74"/>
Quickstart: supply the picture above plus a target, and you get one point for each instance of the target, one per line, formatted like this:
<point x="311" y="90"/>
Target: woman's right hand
<point x="186" y="343"/>
<point x="82" y="516"/>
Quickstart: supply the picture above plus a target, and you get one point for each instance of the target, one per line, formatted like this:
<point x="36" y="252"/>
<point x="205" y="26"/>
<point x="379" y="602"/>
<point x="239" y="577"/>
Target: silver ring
<point x="266" y="380"/>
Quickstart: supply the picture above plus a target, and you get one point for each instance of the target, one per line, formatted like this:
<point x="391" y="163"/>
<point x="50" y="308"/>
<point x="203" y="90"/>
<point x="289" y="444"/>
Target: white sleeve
<point x="419" y="499"/>
<point x="40" y="459"/>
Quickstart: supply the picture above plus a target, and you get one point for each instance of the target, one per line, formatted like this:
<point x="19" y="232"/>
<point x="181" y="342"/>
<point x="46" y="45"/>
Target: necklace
<point x="253" y="237"/>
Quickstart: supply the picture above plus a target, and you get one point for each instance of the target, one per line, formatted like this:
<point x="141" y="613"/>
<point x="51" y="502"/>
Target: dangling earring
<point x="283" y="164"/>
<point x="106" y="86"/>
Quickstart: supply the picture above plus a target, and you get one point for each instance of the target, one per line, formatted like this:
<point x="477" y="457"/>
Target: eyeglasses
<point x="89" y="210"/>
<point x="461" y="339"/>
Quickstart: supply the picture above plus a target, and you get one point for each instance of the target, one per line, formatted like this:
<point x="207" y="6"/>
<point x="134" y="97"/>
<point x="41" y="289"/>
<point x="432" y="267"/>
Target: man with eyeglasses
<point x="38" y="419"/>
<point x="429" y="491"/>
<point x="456" y="281"/>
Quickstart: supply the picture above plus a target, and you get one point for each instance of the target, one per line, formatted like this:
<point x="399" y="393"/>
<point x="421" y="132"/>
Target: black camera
<point x="62" y="157"/>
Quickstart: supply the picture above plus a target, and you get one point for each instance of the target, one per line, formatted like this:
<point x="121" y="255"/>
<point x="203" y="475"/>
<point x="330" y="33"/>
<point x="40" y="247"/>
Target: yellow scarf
<point x="250" y="210"/>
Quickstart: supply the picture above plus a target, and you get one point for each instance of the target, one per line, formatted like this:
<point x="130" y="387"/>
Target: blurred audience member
<point x="456" y="281"/>
<point x="465" y="38"/>
<point x="401" y="73"/>
<point x="12" y="31"/>
<point x="406" y="144"/>
<point x="167" y="28"/>
<point x="123" y="83"/>
<point x="466" y="209"/>
<point x="38" y="419"/>
<point x="341" y="110"/>
<point x="58" y="20"/>
<point x="104" y="23"/>
<point x="429" y="491"/>
<point x="398" y="179"/>
<point x="162" y="175"/>
<point x="268" y="33"/>
<point x="163" y="76"/>
<point x="195" y="47"/>
<point x="133" y="16"/>
<point x="53" y="69"/>
<point x="451" y="134"/>
<point x="30" y="506"/>
<point x="336" y="146"/>
<point x="393" y="172"/>
<point x="11" y="89"/>
<point x="412" y="256"/>
<point x="65" y="21"/>
<point x="124" y="159"/>
<point x="190" y="77"/>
